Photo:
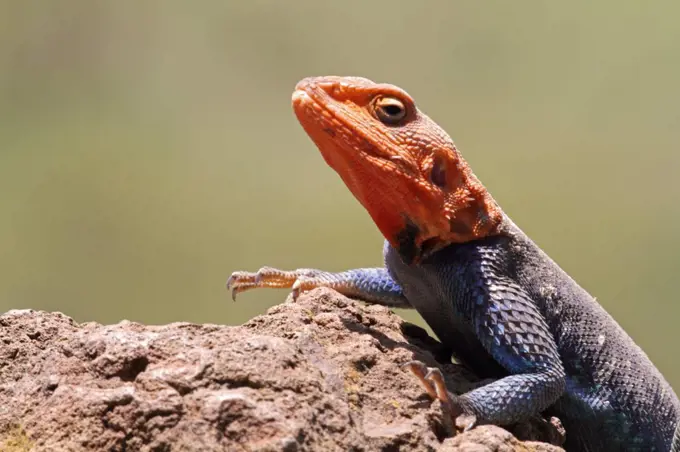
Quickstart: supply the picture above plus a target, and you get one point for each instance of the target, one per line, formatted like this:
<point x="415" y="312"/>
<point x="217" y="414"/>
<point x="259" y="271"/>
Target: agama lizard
<point x="488" y="292"/>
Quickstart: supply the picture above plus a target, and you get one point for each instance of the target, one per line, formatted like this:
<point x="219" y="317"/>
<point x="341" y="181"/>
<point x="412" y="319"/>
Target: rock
<point x="317" y="374"/>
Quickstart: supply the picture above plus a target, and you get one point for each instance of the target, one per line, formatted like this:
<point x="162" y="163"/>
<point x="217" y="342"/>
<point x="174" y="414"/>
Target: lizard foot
<point x="300" y="280"/>
<point x="432" y="380"/>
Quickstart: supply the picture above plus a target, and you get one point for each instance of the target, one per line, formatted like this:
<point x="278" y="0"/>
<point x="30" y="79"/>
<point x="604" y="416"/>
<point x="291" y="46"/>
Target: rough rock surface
<point x="318" y="374"/>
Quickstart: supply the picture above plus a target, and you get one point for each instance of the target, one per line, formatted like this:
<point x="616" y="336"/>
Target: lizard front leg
<point x="372" y="285"/>
<point x="510" y="327"/>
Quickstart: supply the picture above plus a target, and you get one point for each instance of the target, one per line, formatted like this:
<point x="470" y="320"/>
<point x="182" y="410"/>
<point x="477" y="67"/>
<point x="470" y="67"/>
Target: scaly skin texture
<point x="488" y="292"/>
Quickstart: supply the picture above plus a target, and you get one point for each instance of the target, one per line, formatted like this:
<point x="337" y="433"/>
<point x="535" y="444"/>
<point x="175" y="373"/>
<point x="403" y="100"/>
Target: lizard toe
<point x="419" y="370"/>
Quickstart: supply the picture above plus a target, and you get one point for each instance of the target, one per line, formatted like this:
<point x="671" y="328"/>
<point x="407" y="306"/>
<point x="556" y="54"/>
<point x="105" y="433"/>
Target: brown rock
<point x="318" y="374"/>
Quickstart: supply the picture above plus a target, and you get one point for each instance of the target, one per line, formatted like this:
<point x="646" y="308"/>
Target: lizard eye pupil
<point x="389" y="110"/>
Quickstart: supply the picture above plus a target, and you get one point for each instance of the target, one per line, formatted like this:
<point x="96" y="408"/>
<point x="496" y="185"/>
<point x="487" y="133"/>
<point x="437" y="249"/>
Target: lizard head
<point x="401" y="166"/>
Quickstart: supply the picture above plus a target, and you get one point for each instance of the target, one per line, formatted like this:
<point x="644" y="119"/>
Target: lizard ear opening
<point x="438" y="173"/>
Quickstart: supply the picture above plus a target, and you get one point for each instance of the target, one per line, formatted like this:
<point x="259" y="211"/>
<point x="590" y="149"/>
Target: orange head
<point x="400" y="165"/>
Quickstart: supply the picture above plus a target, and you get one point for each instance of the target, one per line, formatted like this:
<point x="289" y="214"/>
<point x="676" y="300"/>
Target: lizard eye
<point x="389" y="110"/>
<point x="438" y="173"/>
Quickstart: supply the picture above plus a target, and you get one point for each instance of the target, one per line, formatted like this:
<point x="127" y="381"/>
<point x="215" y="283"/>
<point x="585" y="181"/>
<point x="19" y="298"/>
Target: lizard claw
<point x="295" y="290"/>
<point x="241" y="281"/>
<point x="465" y="422"/>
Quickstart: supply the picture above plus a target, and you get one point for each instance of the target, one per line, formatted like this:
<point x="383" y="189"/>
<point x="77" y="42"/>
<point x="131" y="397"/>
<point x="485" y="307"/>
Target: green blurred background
<point x="148" y="149"/>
